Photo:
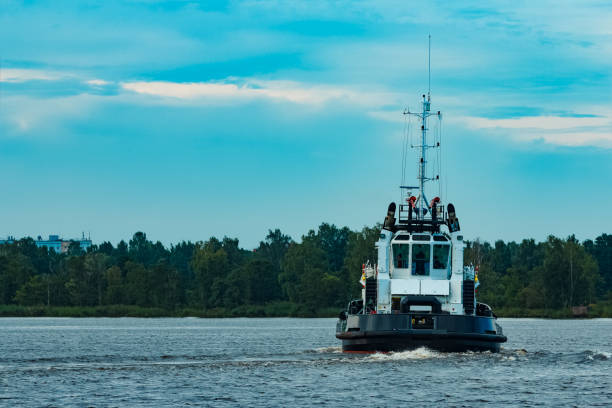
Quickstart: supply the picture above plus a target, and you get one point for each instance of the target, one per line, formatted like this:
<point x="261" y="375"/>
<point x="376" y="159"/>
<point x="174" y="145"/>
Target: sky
<point x="188" y="120"/>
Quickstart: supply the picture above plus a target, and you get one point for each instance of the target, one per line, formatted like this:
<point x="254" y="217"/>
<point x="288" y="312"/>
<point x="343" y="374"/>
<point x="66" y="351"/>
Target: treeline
<point x="552" y="275"/>
<point x="318" y="274"/>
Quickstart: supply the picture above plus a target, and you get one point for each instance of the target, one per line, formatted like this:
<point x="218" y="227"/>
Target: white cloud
<point x="97" y="82"/>
<point x="22" y="75"/>
<point x="537" y="122"/>
<point x="601" y="139"/>
<point x="557" y="130"/>
<point x="289" y="91"/>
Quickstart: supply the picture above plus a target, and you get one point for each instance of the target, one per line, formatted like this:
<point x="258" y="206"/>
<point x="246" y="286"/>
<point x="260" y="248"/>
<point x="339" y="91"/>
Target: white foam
<point x="336" y="349"/>
<point x="417" y="354"/>
<point x="600" y="355"/>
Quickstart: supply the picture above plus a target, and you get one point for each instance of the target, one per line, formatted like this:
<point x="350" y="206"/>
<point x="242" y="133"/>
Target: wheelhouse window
<point x="420" y="237"/>
<point x="400" y="255"/>
<point x="420" y="259"/>
<point x="440" y="256"/>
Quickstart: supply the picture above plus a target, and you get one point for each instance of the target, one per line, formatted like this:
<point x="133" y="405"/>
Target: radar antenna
<point x="429" y="68"/>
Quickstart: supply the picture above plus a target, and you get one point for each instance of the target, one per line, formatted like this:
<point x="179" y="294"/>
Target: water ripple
<point x="297" y="362"/>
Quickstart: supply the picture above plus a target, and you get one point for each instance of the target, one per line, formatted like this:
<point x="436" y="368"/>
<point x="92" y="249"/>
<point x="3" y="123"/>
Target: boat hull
<point x="398" y="332"/>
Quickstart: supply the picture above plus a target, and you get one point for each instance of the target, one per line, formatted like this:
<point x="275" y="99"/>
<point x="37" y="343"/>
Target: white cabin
<point x="420" y="264"/>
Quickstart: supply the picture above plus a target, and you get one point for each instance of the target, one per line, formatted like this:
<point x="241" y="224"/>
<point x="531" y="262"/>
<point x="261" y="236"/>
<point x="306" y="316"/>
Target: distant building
<point x="55" y="243"/>
<point x="9" y="240"/>
<point x="61" y="245"/>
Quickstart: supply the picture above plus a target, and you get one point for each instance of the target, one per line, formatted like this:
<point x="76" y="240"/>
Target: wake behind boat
<point x="419" y="293"/>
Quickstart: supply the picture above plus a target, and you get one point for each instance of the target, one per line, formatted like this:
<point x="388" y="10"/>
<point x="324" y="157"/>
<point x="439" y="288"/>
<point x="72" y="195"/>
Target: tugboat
<point x="419" y="294"/>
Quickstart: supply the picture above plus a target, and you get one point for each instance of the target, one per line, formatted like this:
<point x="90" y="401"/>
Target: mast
<point x="426" y="108"/>
<point x="422" y="177"/>
<point x="423" y="206"/>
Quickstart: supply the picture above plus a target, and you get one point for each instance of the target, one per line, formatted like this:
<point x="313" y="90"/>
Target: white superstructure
<point x="419" y="294"/>
<point x="421" y="256"/>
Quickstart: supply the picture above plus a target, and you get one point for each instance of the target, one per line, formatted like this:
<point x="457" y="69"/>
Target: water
<point x="291" y="362"/>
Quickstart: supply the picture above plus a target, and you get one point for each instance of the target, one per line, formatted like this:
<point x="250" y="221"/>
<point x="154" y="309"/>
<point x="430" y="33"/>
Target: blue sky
<point x="187" y="120"/>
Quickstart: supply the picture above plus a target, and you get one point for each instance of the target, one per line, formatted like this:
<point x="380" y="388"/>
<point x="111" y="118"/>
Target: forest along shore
<point x="281" y="277"/>
<point x="274" y="309"/>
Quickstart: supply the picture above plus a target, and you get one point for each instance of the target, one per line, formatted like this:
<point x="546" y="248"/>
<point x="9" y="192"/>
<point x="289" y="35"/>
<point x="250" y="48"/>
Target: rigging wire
<point x="406" y="140"/>
<point x="436" y="170"/>
<point x="440" y="154"/>
<point x="444" y="167"/>
<point x="408" y="143"/>
<point x="434" y="155"/>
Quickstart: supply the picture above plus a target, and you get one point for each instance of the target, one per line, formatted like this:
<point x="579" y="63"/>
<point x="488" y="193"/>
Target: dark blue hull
<point x="397" y="332"/>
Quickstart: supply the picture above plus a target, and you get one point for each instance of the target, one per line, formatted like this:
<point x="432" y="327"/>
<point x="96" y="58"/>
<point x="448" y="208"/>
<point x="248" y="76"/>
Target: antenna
<point x="429" y="68"/>
<point x="423" y="206"/>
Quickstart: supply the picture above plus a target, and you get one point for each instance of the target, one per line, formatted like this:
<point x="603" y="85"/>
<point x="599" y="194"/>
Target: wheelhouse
<point x="420" y="255"/>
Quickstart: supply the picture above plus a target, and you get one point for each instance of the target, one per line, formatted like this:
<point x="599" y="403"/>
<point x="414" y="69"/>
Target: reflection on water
<point x="271" y="362"/>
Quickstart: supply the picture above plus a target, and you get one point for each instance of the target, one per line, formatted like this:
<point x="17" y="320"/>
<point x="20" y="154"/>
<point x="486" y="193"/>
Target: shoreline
<point x="278" y="309"/>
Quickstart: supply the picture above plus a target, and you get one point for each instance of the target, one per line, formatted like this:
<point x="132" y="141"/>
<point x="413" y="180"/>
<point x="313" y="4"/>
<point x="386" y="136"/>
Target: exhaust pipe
<point x="389" y="223"/>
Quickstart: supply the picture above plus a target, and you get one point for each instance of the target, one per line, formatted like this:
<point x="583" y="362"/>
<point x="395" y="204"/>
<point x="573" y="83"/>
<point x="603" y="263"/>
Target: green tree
<point x="333" y="241"/>
<point x="570" y="273"/>
<point x="115" y="289"/>
<point x="164" y="286"/>
<point x="75" y="249"/>
<point x="144" y="251"/>
<point x="15" y="270"/>
<point x="95" y="265"/>
<point x="180" y="258"/>
<point x="274" y="247"/>
<point x="260" y="281"/>
<point x="234" y="291"/>
<point x="121" y="254"/>
<point x="78" y="286"/>
<point x="33" y="292"/>
<point x="136" y="284"/>
<point x="305" y="277"/>
<point x="210" y="265"/>
<point x="106" y="248"/>
<point x="601" y="250"/>
<point x="360" y="250"/>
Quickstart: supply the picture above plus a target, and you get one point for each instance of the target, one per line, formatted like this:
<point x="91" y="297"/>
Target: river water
<point x="291" y="362"/>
